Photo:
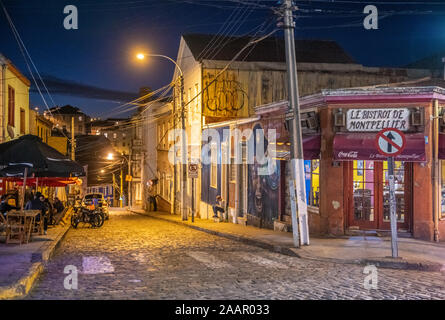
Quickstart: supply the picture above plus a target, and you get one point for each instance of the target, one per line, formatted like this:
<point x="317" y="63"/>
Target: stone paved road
<point x="136" y="257"/>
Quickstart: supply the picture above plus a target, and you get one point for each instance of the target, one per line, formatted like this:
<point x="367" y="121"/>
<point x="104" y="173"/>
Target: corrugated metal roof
<point x="268" y="50"/>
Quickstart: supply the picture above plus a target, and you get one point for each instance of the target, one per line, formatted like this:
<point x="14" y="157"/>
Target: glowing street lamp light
<point x="140" y="56"/>
<point x="110" y="156"/>
<point x="102" y="171"/>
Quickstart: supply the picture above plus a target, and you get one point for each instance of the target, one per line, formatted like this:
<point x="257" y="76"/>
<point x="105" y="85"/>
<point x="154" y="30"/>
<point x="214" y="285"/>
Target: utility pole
<point x="300" y="221"/>
<point x="73" y="142"/>
<point x="183" y="151"/>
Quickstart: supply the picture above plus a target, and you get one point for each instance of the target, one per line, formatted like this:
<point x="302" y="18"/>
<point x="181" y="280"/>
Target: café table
<point x="24" y="221"/>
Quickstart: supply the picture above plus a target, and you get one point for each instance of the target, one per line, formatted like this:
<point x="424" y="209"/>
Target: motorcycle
<point x="87" y="215"/>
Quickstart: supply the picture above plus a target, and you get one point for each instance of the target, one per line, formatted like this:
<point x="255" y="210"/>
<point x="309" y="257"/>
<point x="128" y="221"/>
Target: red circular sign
<point x="390" y="142"/>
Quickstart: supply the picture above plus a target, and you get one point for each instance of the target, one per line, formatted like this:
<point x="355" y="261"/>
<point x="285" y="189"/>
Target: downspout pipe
<point x="436" y="172"/>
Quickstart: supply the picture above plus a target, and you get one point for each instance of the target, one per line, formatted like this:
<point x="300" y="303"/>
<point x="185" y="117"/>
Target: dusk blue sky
<point x="99" y="53"/>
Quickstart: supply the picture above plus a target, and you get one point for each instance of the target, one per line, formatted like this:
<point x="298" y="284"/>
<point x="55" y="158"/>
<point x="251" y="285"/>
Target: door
<point x="402" y="183"/>
<point x="369" y="194"/>
<point x="364" y="189"/>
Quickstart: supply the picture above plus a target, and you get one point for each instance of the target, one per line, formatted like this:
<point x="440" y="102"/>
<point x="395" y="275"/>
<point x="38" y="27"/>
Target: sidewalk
<point x="20" y="265"/>
<point x="415" y="254"/>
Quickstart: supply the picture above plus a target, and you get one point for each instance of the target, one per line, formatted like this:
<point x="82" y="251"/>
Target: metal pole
<point x="73" y="142"/>
<point x="129" y="182"/>
<point x="393" y="208"/>
<point x="122" y="189"/>
<point x="297" y="162"/>
<point x="114" y="189"/>
<point x="25" y="175"/>
<point x="183" y="151"/>
<point x="193" y="202"/>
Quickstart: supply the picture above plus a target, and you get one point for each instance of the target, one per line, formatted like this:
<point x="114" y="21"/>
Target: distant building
<point x="42" y="127"/>
<point x="61" y="117"/>
<point x="14" y="101"/>
<point x="118" y="131"/>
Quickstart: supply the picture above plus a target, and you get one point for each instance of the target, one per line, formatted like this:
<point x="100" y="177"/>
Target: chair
<point x="15" y="229"/>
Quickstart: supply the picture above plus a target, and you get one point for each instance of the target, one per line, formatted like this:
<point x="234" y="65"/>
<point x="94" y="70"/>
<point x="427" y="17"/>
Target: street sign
<point x="193" y="170"/>
<point x="390" y="142"/>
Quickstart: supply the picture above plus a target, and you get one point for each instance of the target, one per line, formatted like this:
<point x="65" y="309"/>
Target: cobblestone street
<point x="137" y="257"/>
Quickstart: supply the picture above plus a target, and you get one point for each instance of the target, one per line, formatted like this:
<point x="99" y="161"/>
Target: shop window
<point x="442" y="183"/>
<point x="213" y="166"/>
<point x="312" y="173"/>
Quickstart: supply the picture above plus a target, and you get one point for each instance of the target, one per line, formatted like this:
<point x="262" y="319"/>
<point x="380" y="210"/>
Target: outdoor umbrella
<point x="41" y="160"/>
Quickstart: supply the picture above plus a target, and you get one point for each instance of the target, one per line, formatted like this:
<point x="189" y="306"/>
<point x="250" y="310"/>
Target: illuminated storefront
<point x="351" y="188"/>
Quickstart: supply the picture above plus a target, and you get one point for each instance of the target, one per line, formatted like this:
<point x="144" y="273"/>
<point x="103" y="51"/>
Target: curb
<point x="22" y="287"/>
<point x="384" y="262"/>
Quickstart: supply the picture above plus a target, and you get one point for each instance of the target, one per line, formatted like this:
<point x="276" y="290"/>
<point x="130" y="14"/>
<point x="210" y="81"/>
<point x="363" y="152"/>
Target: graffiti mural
<point x="263" y="192"/>
<point x="223" y="96"/>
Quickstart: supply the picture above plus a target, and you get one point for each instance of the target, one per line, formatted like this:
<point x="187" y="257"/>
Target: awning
<point x="311" y="148"/>
<point x="45" y="182"/>
<point x="361" y="146"/>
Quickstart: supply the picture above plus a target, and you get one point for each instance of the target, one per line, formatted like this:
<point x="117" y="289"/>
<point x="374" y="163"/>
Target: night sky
<point x="100" y="53"/>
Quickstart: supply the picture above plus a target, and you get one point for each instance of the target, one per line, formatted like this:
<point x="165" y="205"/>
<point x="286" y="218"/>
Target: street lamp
<point x="141" y="56"/>
<point x="110" y="156"/>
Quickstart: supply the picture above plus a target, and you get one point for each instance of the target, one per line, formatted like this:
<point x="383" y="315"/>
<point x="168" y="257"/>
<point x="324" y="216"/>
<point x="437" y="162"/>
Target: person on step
<point x="218" y="207"/>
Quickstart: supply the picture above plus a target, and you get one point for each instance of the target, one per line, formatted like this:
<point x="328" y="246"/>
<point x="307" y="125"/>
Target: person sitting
<point x="4" y="206"/>
<point x="218" y="207"/>
<point x="58" y="205"/>
<point x="38" y="204"/>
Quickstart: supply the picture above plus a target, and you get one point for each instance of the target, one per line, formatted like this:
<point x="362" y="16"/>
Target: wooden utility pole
<point x="299" y="219"/>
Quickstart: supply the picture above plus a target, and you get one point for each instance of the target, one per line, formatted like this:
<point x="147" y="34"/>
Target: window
<point x="232" y="173"/>
<point x="124" y="135"/>
<point x="106" y="135"/>
<point x="11" y="105"/>
<point x="22" y="121"/>
<point x="161" y="185"/>
<point x="312" y="178"/>
<point x="80" y="118"/>
<point x="442" y="182"/>
<point x="213" y="166"/>
<point x="196" y="94"/>
<point x="115" y="135"/>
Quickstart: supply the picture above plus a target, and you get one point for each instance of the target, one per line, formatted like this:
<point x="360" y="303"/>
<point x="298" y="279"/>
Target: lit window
<point x="442" y="183"/>
<point x="312" y="173"/>
<point x="80" y="118"/>
<point x="106" y="135"/>
<point x="114" y="135"/>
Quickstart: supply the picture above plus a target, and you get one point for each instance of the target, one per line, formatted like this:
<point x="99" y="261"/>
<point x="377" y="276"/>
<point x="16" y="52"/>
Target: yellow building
<point x="14" y="101"/>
